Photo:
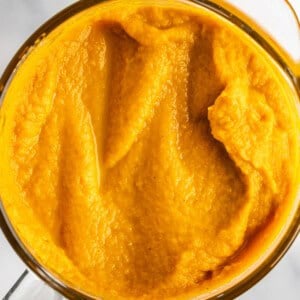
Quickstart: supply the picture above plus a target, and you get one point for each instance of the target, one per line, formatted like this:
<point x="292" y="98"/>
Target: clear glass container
<point x="28" y="284"/>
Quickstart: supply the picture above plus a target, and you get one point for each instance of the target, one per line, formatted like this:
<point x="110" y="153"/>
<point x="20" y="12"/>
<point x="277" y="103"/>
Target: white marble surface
<point x="19" y="18"/>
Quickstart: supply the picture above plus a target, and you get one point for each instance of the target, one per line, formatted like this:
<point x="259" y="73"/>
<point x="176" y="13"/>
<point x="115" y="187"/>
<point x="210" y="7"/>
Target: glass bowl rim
<point x="225" y="12"/>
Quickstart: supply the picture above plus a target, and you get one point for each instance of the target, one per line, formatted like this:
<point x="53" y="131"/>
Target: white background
<point x="19" y="18"/>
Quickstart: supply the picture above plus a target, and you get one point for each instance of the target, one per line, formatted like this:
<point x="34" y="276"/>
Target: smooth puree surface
<point x="143" y="147"/>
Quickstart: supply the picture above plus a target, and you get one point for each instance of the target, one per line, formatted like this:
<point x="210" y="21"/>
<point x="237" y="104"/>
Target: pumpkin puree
<point x="142" y="147"/>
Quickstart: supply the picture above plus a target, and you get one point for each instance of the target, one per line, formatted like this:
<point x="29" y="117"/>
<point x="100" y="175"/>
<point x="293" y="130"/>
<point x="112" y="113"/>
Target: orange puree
<point x="143" y="146"/>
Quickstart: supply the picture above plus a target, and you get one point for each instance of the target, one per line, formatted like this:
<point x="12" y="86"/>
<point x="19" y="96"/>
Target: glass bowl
<point x="289" y="68"/>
